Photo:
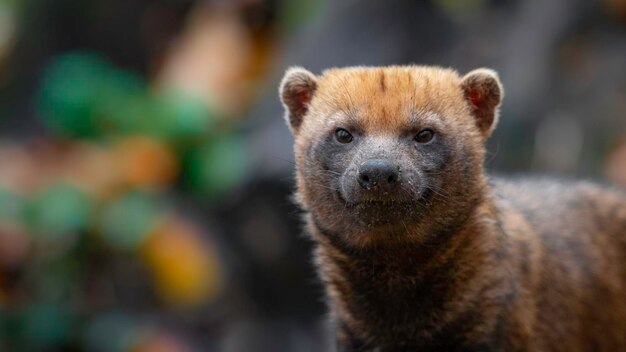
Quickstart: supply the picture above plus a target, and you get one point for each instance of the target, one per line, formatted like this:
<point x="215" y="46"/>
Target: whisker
<point x="285" y="160"/>
<point x="492" y="155"/>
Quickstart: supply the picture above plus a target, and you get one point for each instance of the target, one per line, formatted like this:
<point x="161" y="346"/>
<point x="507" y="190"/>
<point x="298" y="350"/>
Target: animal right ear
<point x="296" y="91"/>
<point x="483" y="91"/>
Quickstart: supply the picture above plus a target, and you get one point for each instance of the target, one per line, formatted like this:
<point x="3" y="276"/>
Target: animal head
<point x="388" y="154"/>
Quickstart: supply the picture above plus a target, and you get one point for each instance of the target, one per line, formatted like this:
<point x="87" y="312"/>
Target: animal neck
<point x="380" y="289"/>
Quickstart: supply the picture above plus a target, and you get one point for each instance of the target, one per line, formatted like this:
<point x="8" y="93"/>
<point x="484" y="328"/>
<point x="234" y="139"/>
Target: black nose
<point x="378" y="173"/>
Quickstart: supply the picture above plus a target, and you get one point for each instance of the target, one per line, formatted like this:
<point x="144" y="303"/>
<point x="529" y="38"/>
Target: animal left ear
<point x="483" y="92"/>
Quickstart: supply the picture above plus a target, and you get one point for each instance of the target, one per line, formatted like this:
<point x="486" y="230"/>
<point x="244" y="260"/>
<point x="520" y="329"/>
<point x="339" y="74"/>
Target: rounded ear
<point x="296" y="91"/>
<point x="483" y="92"/>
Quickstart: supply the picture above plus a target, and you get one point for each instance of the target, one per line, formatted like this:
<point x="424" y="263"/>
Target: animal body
<point x="418" y="249"/>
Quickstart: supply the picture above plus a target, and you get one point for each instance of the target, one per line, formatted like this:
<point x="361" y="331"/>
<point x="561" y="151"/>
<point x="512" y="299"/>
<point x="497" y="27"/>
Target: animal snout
<point x="378" y="173"/>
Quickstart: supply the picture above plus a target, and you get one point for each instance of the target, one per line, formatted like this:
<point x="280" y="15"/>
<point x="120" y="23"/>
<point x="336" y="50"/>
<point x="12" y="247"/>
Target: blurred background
<point x="145" y="168"/>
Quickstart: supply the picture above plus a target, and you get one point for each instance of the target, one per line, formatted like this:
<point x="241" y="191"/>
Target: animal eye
<point x="425" y="136"/>
<point x="343" y="136"/>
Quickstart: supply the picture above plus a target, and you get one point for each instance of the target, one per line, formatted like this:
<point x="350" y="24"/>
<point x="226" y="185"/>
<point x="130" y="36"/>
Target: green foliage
<point x="216" y="166"/>
<point x="73" y="237"/>
<point x="84" y="96"/>
<point x="58" y="211"/>
<point x="110" y="332"/>
<point x="126" y="221"/>
<point x="38" y="327"/>
<point x="10" y="205"/>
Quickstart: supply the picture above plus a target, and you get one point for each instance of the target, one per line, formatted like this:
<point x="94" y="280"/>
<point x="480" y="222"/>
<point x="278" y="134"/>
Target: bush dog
<point x="418" y="249"/>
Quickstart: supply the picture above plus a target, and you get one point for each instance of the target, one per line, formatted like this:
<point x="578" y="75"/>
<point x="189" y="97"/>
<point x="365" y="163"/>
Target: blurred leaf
<point x="160" y="341"/>
<point x="82" y="95"/>
<point x="120" y="106"/>
<point x="15" y="244"/>
<point x="56" y="279"/>
<point x="185" y="269"/>
<point x="146" y="162"/>
<point x="182" y="116"/>
<point x="58" y="211"/>
<point x="10" y="205"/>
<point x="8" y="26"/>
<point x="296" y="12"/>
<point x="70" y="90"/>
<point x="110" y="332"/>
<point x="217" y="166"/>
<point x="126" y="221"/>
<point x="41" y="327"/>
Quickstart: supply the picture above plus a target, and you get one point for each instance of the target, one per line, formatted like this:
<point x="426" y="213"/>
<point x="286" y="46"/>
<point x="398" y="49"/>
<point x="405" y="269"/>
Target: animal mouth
<point x="382" y="203"/>
<point x="374" y="213"/>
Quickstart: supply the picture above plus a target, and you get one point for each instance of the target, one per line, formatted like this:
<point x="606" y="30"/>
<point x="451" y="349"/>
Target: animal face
<point x="382" y="150"/>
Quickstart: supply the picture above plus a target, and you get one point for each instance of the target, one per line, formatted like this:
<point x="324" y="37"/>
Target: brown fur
<point x="480" y="265"/>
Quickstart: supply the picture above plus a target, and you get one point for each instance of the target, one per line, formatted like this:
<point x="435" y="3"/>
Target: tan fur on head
<point x="422" y="88"/>
<point x="388" y="102"/>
